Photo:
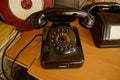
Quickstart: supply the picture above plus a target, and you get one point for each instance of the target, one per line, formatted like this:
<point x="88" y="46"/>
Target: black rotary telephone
<point x="61" y="47"/>
<point x="106" y="28"/>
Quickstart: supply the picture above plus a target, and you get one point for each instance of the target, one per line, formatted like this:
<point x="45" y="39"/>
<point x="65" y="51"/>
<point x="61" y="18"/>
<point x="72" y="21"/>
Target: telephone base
<point x="106" y="30"/>
<point x="62" y="51"/>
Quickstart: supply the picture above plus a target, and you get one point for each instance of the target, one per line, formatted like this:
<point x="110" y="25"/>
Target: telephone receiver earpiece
<point x="39" y="19"/>
<point x="86" y="20"/>
<point x="90" y="7"/>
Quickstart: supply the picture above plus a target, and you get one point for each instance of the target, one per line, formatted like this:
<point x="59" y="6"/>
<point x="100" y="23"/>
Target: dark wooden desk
<point x="100" y="63"/>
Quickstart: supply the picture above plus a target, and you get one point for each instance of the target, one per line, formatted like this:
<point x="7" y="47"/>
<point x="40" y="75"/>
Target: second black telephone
<point x="61" y="47"/>
<point x="106" y="28"/>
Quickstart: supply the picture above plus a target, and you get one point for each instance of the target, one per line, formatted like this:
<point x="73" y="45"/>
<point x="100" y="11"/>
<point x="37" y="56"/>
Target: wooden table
<point x="100" y="63"/>
<point x="28" y="55"/>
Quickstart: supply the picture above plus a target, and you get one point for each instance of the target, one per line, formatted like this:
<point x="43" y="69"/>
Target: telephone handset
<point x="39" y="19"/>
<point x="112" y="6"/>
<point x="61" y="47"/>
<point x="107" y="22"/>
